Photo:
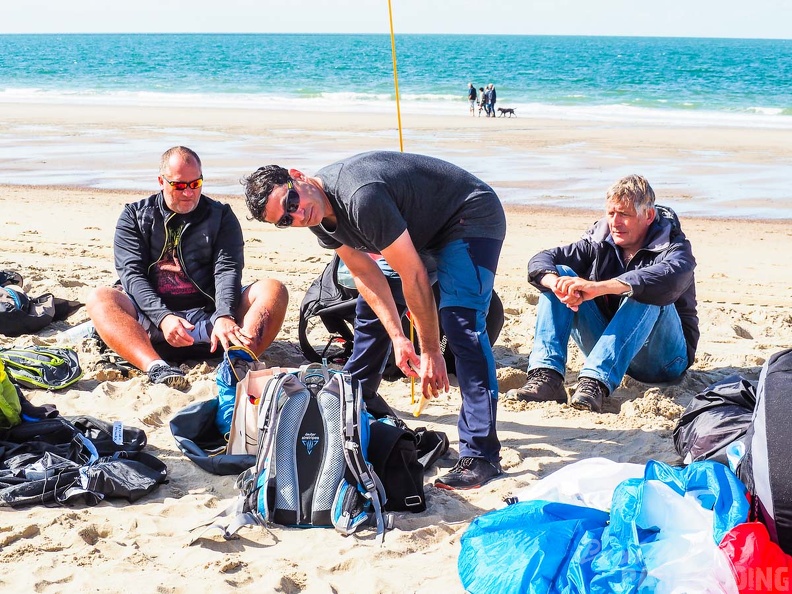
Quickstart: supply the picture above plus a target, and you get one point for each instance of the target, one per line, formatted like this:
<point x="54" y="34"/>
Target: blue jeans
<point x="643" y="341"/>
<point x="465" y="273"/>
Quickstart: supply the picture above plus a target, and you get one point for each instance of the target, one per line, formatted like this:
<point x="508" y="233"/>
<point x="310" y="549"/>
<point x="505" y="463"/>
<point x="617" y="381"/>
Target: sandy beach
<point x="79" y="165"/>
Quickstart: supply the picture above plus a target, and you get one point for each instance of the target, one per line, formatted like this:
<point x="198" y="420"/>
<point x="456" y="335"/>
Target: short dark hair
<point x="259" y="186"/>
<point x="185" y="153"/>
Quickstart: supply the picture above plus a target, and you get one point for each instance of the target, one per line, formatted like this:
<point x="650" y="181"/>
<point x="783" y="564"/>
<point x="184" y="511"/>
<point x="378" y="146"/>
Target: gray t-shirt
<point x="377" y="195"/>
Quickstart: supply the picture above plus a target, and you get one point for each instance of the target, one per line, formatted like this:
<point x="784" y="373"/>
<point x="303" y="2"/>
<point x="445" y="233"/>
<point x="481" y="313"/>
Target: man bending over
<point x="411" y="209"/>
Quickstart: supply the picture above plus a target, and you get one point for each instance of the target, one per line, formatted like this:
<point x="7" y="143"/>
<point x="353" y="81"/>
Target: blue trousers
<point x="465" y="273"/>
<point x="643" y="341"/>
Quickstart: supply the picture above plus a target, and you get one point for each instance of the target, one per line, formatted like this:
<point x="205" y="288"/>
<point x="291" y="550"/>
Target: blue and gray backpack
<point x="311" y="466"/>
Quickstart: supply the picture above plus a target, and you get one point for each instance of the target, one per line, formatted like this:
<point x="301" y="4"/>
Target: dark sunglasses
<point x="181" y="185"/>
<point x="291" y="204"/>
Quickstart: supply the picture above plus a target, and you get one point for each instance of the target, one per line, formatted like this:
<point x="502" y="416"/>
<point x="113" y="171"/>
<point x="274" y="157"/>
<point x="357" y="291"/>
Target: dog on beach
<point x="504" y="110"/>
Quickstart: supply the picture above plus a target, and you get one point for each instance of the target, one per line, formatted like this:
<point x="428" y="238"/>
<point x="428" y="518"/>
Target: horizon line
<point x="477" y="34"/>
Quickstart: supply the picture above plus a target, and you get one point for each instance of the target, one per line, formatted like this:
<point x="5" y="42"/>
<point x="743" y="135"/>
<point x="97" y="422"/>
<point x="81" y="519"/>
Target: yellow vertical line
<point x="395" y="76"/>
<point x="401" y="146"/>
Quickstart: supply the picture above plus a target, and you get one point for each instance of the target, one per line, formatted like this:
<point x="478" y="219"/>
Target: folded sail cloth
<point x="661" y="535"/>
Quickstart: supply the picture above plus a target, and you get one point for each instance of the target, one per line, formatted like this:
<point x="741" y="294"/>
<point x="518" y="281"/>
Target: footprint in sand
<point x="510" y="458"/>
<point x="109" y="375"/>
<point x="741" y="332"/>
<point x="232" y="566"/>
<point x="15" y="535"/>
<point x="293" y="583"/>
<point x="92" y="534"/>
<point x="112" y="390"/>
<point x="154" y="419"/>
<point x="46" y="585"/>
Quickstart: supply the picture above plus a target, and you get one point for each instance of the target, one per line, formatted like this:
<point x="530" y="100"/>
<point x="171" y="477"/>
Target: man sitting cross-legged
<point x="179" y="257"/>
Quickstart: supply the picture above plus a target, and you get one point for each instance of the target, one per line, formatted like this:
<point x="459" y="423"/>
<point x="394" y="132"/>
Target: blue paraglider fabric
<point x="545" y="547"/>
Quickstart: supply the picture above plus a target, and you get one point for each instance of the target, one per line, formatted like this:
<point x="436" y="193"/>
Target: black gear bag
<point x="333" y="305"/>
<point x="748" y="426"/>
<point x="765" y="467"/>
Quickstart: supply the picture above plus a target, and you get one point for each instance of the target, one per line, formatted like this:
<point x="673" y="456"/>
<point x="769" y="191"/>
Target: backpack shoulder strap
<point x="355" y="445"/>
<point x="275" y="392"/>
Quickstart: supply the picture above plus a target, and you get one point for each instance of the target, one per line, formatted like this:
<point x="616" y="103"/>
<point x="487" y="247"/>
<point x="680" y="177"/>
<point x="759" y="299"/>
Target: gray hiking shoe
<point x="543" y="385"/>
<point x="589" y="395"/>
<point x="170" y="376"/>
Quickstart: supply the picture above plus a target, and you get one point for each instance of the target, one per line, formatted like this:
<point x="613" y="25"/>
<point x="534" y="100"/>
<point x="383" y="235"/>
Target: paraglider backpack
<point x="765" y="466"/>
<point x="746" y="425"/>
<point x="80" y="460"/>
<point x="48" y="368"/>
<point x="311" y="465"/>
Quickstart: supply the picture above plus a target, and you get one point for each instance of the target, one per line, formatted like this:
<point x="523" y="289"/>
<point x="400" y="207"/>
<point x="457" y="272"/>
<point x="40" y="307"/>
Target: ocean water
<point x="733" y="82"/>
<point x="735" y="76"/>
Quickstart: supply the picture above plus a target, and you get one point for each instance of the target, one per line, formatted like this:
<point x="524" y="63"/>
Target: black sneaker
<point x="170" y="376"/>
<point x="589" y="395"/>
<point x="468" y="473"/>
<point x="543" y="385"/>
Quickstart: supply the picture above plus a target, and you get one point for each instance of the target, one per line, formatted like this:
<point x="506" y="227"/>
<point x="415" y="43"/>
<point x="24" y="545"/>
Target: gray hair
<point x="633" y="189"/>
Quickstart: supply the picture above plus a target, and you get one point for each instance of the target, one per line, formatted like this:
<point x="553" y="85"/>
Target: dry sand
<point x="60" y="239"/>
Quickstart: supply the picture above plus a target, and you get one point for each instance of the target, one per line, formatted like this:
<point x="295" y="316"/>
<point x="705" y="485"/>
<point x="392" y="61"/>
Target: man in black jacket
<point x="179" y="258"/>
<point x="625" y="293"/>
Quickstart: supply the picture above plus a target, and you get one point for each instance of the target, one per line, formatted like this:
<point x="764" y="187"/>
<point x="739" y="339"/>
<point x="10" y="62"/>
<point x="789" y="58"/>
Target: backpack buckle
<point x="413" y="500"/>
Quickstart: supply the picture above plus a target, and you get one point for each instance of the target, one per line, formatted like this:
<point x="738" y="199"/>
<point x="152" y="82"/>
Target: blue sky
<point x="687" y="18"/>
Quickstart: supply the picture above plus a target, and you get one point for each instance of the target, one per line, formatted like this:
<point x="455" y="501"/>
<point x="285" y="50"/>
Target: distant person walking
<point x="482" y="102"/>
<point x="493" y="97"/>
<point x="472" y="96"/>
<point x="488" y="101"/>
